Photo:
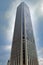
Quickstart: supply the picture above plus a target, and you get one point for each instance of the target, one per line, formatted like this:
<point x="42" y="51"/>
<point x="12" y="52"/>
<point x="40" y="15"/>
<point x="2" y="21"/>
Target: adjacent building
<point x="23" y="50"/>
<point x="8" y="63"/>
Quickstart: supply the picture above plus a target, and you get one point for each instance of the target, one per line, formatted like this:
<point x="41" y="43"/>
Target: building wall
<point x="29" y="37"/>
<point x="23" y="46"/>
<point x="16" y="44"/>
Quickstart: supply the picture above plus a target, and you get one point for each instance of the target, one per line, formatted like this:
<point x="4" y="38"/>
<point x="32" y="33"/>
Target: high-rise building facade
<point x="23" y="50"/>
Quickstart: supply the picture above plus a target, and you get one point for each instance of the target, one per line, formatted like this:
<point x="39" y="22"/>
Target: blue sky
<point x="7" y="21"/>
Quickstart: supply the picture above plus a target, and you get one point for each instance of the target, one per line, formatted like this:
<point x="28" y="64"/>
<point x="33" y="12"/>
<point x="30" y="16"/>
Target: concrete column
<point x="14" y="62"/>
<point x="33" y="62"/>
<point x="18" y="60"/>
<point x="21" y="54"/>
<point x="29" y="60"/>
<point x="26" y="53"/>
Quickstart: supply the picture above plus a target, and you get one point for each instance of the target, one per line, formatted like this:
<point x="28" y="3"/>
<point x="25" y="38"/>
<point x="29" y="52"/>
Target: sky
<point x="7" y="22"/>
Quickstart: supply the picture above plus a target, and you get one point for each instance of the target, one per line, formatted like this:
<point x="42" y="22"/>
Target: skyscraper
<point x="23" y="50"/>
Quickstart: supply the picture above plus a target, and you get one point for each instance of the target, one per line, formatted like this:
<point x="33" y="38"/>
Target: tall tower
<point x="23" y="50"/>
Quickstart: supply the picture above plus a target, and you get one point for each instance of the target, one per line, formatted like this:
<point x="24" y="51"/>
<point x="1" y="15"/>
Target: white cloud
<point x="36" y="11"/>
<point x="0" y="63"/>
<point x="40" y="54"/>
<point x="41" y="7"/>
<point x="10" y="15"/>
<point x="40" y="61"/>
<point x="7" y="47"/>
<point x="41" y="50"/>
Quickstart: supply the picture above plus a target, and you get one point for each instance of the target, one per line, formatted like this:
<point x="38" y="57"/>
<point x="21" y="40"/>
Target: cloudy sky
<point x="7" y="21"/>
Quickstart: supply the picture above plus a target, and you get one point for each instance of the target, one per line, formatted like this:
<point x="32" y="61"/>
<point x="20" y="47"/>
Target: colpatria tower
<point x="23" y="50"/>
